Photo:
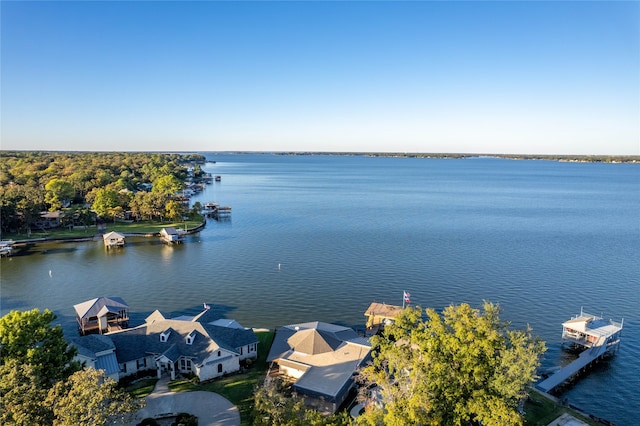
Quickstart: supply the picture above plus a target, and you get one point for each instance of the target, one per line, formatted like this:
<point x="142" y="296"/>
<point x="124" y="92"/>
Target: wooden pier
<point x="217" y="211"/>
<point x="600" y="338"/>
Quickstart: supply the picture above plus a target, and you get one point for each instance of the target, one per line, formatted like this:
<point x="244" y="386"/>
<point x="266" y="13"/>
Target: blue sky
<point x="540" y="77"/>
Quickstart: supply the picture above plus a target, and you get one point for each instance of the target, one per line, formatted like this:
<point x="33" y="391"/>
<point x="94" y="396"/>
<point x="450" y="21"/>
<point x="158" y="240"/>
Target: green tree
<point x="22" y="393"/>
<point x="167" y="184"/>
<point x="105" y="201"/>
<point x="174" y="209"/>
<point x="58" y="192"/>
<point x="30" y="338"/>
<point x="464" y="366"/>
<point x="88" y="398"/>
<point x="275" y="405"/>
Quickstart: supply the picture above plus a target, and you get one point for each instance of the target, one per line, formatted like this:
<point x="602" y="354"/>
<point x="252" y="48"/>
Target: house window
<point x="219" y="353"/>
<point x="189" y="364"/>
<point x="240" y="350"/>
<point x="124" y="367"/>
<point x="219" y="368"/>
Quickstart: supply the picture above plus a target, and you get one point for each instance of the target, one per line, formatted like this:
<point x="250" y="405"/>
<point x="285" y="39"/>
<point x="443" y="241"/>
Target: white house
<point x="184" y="345"/>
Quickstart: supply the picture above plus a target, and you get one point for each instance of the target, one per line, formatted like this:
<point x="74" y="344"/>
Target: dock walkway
<point x="592" y="332"/>
<point x="585" y="358"/>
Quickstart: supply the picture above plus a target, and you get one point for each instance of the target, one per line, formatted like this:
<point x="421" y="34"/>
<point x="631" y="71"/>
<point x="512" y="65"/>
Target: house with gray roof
<point x="102" y="315"/>
<point x="99" y="352"/>
<point x="322" y="359"/>
<point x="184" y="345"/>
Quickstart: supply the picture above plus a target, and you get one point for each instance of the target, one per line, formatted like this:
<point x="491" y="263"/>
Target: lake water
<point x="321" y="237"/>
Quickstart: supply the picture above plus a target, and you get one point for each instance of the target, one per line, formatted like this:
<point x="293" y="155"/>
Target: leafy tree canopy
<point x="30" y="338"/>
<point x="464" y="366"/>
<point x="275" y="405"/>
<point x="88" y="398"/>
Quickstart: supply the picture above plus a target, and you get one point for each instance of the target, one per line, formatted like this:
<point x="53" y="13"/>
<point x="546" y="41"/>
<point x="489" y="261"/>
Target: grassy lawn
<point x="237" y="388"/>
<point x="149" y="226"/>
<point x="142" y="387"/>
<point x="122" y="227"/>
<point x="542" y="411"/>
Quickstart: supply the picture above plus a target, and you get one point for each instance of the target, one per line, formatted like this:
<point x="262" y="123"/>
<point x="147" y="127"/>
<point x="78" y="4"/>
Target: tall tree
<point x="58" y="193"/>
<point x="21" y="395"/>
<point x="462" y="367"/>
<point x="167" y="184"/>
<point x="88" y="398"/>
<point x="275" y="405"/>
<point x="30" y="338"/>
<point x="106" y="200"/>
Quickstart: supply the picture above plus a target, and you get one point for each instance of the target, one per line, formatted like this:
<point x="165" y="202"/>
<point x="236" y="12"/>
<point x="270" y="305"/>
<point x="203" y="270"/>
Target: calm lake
<point x="321" y="237"/>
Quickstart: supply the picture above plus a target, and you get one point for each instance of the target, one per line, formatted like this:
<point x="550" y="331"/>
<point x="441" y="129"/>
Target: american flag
<point x="407" y="296"/>
<point x="206" y="306"/>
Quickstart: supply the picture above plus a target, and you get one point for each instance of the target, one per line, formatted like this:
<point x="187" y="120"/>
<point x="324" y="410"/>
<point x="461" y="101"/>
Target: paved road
<point x="210" y="408"/>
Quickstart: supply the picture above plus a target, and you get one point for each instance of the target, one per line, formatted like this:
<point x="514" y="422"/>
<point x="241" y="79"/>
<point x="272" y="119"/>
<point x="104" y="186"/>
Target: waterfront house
<point x="102" y="315"/>
<point x="113" y="239"/>
<point x="49" y="220"/>
<point x="186" y="345"/>
<point x="322" y="358"/>
<point x="99" y="352"/>
<point x="171" y="235"/>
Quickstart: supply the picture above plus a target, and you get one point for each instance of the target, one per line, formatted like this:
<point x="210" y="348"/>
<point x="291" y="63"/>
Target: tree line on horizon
<point x="105" y="184"/>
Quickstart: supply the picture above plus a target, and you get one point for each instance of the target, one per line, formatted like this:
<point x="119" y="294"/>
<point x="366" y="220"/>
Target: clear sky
<point x="540" y="77"/>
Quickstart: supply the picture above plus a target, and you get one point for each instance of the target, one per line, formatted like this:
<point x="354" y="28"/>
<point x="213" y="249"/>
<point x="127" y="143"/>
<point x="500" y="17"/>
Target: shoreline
<point x="95" y="237"/>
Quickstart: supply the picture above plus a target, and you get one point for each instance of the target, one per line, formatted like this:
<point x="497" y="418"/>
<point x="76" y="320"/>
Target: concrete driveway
<point x="210" y="408"/>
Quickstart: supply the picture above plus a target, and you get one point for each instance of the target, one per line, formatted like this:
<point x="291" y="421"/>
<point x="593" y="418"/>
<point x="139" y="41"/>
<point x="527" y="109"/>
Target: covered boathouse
<point x="597" y="336"/>
<point x="102" y="315"/>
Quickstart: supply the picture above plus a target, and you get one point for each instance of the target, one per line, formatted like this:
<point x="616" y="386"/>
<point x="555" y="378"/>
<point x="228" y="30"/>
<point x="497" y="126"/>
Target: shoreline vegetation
<point x="633" y="159"/>
<point x="89" y="233"/>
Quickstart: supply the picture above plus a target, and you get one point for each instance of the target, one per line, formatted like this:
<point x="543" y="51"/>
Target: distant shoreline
<point x="614" y="159"/>
<point x="567" y="158"/>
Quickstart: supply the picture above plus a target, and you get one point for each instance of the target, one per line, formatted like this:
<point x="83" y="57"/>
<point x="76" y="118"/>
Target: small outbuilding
<point x="102" y="315"/>
<point x="113" y="239"/>
<point x="380" y="314"/>
<point x="171" y="235"/>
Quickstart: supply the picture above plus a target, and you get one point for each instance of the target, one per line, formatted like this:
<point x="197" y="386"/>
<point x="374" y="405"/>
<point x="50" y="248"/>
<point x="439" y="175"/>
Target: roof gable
<point x="134" y="343"/>
<point x="100" y="306"/>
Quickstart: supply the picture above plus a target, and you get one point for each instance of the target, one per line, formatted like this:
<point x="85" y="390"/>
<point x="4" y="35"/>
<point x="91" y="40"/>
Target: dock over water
<point x="600" y="337"/>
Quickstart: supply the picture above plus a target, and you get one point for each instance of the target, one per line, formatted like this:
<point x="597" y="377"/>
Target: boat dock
<point x="6" y="248"/>
<point x="217" y="211"/>
<point x="600" y="337"/>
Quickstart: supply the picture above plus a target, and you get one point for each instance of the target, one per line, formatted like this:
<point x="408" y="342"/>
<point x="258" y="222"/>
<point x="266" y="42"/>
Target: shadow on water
<point x="59" y="250"/>
<point x="11" y="304"/>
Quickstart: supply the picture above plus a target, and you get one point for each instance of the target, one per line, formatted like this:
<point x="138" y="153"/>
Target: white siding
<point x="210" y="367"/>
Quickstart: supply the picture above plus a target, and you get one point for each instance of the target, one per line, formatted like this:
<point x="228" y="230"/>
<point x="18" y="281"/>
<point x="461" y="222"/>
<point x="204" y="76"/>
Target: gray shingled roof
<point x="140" y="341"/>
<point x="91" y="308"/>
<point x="310" y="338"/>
<point x="92" y="344"/>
